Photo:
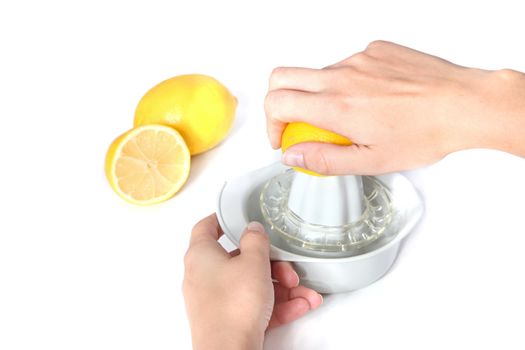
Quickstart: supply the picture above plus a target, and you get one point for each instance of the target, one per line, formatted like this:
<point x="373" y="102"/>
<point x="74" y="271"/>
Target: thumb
<point x="255" y="243"/>
<point x="330" y="159"/>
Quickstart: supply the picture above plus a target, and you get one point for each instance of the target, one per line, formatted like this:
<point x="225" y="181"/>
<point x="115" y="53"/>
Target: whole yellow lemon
<point x="298" y="132"/>
<point x="198" y="106"/>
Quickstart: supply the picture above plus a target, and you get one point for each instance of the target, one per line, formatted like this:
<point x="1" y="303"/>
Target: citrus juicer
<point x="333" y="216"/>
<point x="340" y="232"/>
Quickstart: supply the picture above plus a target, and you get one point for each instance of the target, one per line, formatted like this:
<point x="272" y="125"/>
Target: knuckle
<point x="319" y="163"/>
<point x="379" y="49"/>
<point x="376" y="44"/>
<point x="507" y="74"/>
<point x="255" y="244"/>
<point x="263" y="237"/>
<point x="341" y="103"/>
<point x="198" y="225"/>
<point x="273" y="99"/>
<point x="188" y="283"/>
<point x="255" y="237"/>
<point x="189" y="260"/>
<point x="278" y="71"/>
<point x="268" y="104"/>
<point x="359" y="59"/>
<point x="277" y="75"/>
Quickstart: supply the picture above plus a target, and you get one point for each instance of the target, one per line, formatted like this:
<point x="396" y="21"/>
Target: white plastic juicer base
<point x="238" y="204"/>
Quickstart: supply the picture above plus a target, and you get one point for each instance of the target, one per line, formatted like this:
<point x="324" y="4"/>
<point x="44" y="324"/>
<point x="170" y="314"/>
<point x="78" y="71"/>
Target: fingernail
<point x="293" y="158"/>
<point x="297" y="279"/>
<point x="255" y="226"/>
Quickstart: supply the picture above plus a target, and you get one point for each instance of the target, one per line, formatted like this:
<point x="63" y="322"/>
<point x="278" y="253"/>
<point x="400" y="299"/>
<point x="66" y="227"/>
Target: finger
<point x="274" y="129"/>
<point x="285" y="106"/>
<point x="330" y="159"/>
<point x="255" y="244"/>
<point x="281" y="293"/>
<point x="208" y="229"/>
<point x="288" y="311"/>
<point x="314" y="299"/>
<point x="304" y="79"/>
<point x="285" y="274"/>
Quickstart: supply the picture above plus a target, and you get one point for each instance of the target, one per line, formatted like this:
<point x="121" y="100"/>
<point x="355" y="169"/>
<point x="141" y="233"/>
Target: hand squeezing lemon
<point x="182" y="116"/>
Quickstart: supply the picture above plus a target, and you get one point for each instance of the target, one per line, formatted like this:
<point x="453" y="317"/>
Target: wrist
<point x="489" y="111"/>
<point x="508" y="120"/>
<point x="221" y="337"/>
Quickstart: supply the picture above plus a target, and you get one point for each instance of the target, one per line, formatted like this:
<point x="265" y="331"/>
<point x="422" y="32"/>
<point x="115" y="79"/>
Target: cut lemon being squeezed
<point x="298" y="132"/>
<point x="148" y="164"/>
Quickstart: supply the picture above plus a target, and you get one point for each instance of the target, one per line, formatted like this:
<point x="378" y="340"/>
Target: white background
<point x="81" y="269"/>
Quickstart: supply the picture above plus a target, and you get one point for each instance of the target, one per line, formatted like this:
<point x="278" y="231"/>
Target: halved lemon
<point x="148" y="164"/>
<point x="298" y="132"/>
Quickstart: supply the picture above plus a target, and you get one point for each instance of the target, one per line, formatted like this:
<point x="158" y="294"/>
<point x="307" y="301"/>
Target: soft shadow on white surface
<point x="198" y="166"/>
<point x="241" y="114"/>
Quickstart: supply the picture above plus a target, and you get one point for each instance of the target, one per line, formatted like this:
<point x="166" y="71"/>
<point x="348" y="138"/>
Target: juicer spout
<point x="327" y="200"/>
